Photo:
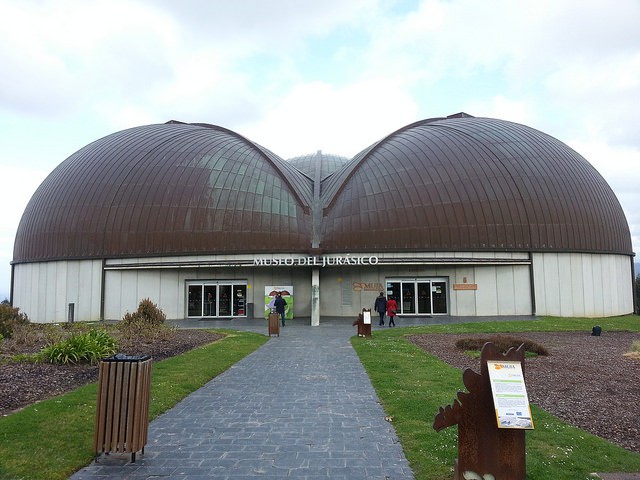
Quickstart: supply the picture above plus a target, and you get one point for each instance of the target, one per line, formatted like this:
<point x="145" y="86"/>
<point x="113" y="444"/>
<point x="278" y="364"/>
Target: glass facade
<point x="419" y="296"/>
<point x="211" y="299"/>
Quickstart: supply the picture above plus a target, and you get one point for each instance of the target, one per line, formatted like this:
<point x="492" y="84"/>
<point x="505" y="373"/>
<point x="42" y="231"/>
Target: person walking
<point x="280" y="304"/>
<point x="381" y="307"/>
<point x="392" y="310"/>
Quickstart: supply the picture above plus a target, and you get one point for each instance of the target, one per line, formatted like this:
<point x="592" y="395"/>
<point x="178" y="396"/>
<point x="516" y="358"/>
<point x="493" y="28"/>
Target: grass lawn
<point x="413" y="384"/>
<point x="52" y="439"/>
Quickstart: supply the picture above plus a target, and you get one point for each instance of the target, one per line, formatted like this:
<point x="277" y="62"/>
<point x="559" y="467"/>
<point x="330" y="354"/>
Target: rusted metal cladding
<point x="441" y="184"/>
<point x="327" y="163"/>
<point x="471" y="184"/>
<point x="166" y="189"/>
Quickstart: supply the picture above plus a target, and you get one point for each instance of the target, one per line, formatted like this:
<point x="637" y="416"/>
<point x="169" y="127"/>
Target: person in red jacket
<point x="392" y="309"/>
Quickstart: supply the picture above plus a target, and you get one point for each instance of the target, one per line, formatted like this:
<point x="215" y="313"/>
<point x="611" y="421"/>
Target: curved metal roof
<point x="465" y="183"/>
<point x="443" y="184"/>
<point x="166" y="189"/>
<point x="326" y="162"/>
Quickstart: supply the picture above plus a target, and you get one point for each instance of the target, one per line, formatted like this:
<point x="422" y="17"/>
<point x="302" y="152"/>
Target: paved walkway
<point x="300" y="406"/>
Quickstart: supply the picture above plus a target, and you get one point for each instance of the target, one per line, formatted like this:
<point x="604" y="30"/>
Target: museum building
<point x="459" y="216"/>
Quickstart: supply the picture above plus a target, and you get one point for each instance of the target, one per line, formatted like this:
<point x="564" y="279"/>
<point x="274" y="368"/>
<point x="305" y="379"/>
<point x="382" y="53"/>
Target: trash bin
<point x="274" y="324"/>
<point x="122" y="413"/>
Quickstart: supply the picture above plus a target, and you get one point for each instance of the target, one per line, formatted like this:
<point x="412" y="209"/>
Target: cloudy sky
<point x="297" y="76"/>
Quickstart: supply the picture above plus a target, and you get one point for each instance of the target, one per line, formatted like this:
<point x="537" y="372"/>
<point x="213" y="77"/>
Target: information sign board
<point x="510" y="395"/>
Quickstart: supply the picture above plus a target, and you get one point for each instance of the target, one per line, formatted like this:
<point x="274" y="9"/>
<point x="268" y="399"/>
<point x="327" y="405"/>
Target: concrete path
<point x="301" y="406"/>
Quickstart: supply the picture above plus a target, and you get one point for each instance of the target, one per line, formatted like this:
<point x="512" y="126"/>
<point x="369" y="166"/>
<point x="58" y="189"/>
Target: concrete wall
<point x="582" y="285"/>
<point x="566" y="284"/>
<point x="501" y="289"/>
<point x="168" y="287"/>
<point x="44" y="290"/>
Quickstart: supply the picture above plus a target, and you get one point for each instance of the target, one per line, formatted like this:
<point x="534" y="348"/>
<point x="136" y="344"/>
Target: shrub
<point x="502" y="343"/>
<point x="147" y="313"/>
<point x="82" y="348"/>
<point x="9" y="318"/>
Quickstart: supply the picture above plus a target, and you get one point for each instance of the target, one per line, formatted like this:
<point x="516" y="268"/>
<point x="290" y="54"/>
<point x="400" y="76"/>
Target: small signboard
<point x="510" y="398"/>
<point x="366" y="317"/>
<point x="465" y="286"/>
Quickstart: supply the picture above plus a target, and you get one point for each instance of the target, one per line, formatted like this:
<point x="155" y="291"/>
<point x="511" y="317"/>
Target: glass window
<point x="225" y="301"/>
<point x="424" y="297"/>
<point x="408" y="297"/>
<point x="211" y="299"/>
<point x="194" y="308"/>
<point x="239" y="300"/>
<point x="419" y="296"/>
<point x="439" y="294"/>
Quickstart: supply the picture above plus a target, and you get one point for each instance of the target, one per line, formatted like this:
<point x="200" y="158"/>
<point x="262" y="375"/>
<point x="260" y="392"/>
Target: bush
<point x="10" y="318"/>
<point x="147" y="313"/>
<point x="502" y="343"/>
<point x="83" y="348"/>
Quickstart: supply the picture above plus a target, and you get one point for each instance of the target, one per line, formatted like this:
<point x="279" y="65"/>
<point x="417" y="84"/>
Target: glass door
<point x="393" y="291"/>
<point x="408" y="298"/>
<point x="225" y="301"/>
<point x="239" y="300"/>
<point x="419" y="296"/>
<point x="210" y="301"/>
<point x="424" y="298"/>
<point x="194" y="305"/>
<point x="439" y="295"/>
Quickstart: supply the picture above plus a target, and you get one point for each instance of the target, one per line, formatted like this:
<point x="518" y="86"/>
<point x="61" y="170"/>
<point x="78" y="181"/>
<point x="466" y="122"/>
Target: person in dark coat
<point x="381" y="307"/>
<point x="392" y="309"/>
<point x="280" y="304"/>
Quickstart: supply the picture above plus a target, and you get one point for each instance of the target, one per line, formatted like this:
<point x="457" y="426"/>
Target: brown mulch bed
<point x="22" y="384"/>
<point x="586" y="381"/>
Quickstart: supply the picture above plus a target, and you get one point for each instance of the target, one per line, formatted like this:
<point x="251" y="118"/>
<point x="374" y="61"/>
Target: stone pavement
<point x="300" y="406"/>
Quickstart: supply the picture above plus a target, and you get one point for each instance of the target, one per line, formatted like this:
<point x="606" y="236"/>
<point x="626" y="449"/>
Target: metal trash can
<point x="122" y="413"/>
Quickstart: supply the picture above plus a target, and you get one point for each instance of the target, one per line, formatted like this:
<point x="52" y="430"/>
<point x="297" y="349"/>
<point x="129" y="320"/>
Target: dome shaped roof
<point x="172" y="188"/>
<point x="326" y="162"/>
<point x="467" y="184"/>
<point x="447" y="184"/>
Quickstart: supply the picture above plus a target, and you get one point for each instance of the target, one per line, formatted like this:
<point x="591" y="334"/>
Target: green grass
<point x="413" y="384"/>
<point x="52" y="439"/>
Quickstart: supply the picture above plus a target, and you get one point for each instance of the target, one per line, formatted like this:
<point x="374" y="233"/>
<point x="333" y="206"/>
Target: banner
<point x="270" y="292"/>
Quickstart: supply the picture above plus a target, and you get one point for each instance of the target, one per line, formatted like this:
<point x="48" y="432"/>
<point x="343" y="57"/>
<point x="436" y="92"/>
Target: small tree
<point x="10" y="318"/>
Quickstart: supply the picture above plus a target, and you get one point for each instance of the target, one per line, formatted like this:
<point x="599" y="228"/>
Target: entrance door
<point x="408" y="298"/>
<point x="210" y="301"/>
<point x="225" y="301"/>
<point x="424" y="298"/>
<point x="420" y="296"/>
<point x="439" y="296"/>
<point x="194" y="308"/>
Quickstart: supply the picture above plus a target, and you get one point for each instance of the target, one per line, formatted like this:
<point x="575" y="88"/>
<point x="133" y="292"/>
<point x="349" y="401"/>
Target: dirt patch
<point x="22" y="384"/>
<point x="586" y="381"/>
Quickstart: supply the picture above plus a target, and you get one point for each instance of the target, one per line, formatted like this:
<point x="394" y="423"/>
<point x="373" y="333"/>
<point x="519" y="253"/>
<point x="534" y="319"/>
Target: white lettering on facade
<point x="317" y="261"/>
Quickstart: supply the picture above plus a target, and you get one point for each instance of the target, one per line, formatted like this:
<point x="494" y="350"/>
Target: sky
<point x="297" y="76"/>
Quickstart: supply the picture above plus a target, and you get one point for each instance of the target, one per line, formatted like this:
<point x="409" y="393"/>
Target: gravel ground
<point x="22" y="384"/>
<point x="586" y="381"/>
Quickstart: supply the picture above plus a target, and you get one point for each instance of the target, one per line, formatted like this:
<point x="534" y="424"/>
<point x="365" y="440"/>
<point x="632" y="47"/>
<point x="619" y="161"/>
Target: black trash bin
<point x="122" y="413"/>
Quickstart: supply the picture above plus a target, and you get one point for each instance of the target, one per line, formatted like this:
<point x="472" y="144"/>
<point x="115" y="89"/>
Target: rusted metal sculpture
<point x="364" y="329"/>
<point x="484" y="449"/>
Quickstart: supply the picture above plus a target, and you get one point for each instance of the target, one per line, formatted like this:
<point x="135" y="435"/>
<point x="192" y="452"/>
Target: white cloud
<point x="341" y="121"/>
<point x="300" y="75"/>
<point x="17" y="189"/>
